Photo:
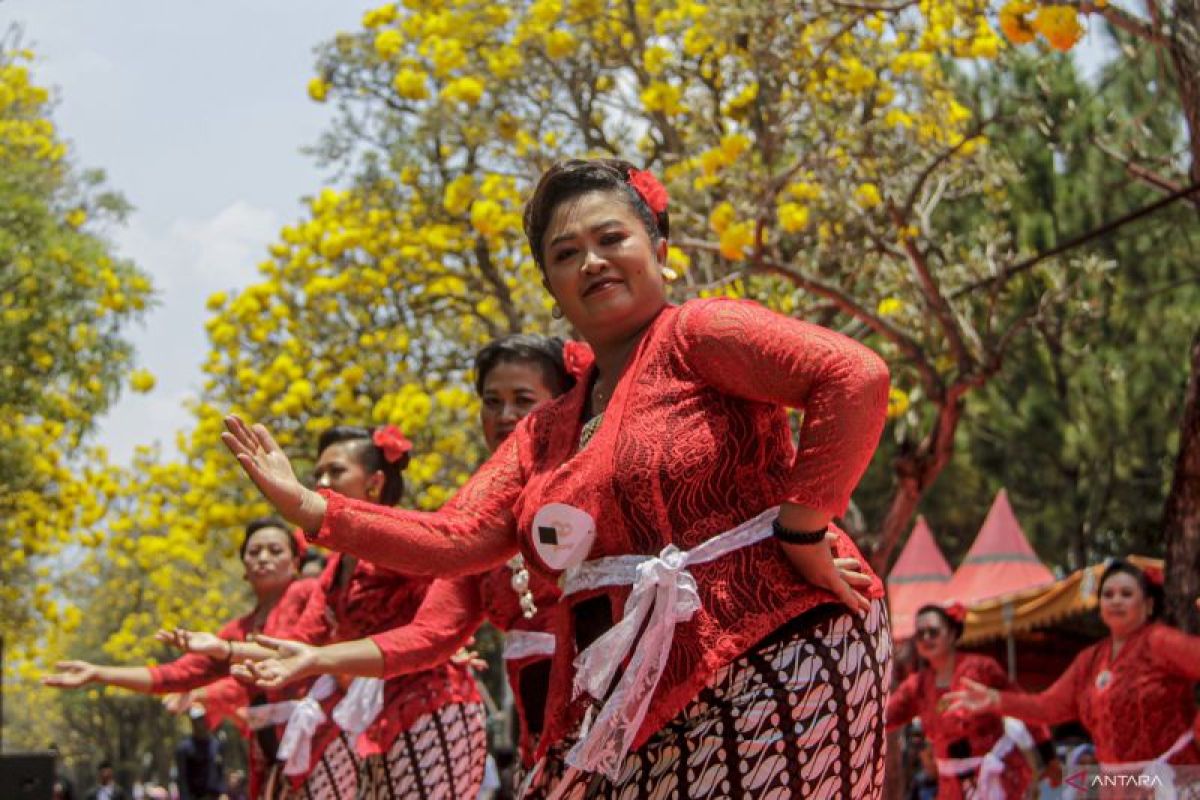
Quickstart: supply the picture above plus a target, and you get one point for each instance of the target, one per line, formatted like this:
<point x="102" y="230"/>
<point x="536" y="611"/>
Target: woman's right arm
<point x="475" y="534"/>
<point x="73" y="674"/>
<point x="1053" y="706"/>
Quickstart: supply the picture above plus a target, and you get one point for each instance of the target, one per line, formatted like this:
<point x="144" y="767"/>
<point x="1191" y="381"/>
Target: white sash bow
<point x="664" y="594"/>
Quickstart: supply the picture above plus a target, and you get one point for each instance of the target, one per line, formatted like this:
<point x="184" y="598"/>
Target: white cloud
<point x="188" y="261"/>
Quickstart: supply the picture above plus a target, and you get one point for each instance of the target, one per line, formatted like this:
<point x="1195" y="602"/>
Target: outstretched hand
<point x="72" y="674"/>
<point x="293" y="661"/>
<point x="195" y="642"/>
<point x="268" y="466"/>
<point x="975" y="698"/>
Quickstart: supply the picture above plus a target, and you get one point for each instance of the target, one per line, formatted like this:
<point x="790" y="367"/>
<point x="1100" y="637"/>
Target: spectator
<point x="198" y="761"/>
<point x="62" y="788"/>
<point x="236" y="789"/>
<point x="106" y="785"/>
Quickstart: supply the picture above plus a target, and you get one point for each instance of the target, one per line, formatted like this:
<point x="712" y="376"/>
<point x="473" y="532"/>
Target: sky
<point x="197" y="113"/>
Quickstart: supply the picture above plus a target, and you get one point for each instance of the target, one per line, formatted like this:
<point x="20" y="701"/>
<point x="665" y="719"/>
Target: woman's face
<point x="340" y="469"/>
<point x="511" y="389"/>
<point x="601" y="267"/>
<point x="935" y="641"/>
<point x="268" y="558"/>
<point x="1123" y="606"/>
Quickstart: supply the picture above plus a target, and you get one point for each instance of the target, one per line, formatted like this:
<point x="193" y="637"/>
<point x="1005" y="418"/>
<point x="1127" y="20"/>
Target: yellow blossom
<point x="411" y="84"/>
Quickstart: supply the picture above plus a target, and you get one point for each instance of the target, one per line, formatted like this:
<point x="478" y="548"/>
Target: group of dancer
<point x="682" y="616"/>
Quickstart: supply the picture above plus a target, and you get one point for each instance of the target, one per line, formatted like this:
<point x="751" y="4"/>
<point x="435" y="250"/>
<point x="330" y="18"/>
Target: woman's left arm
<point x="745" y="350"/>
<point x="1177" y="652"/>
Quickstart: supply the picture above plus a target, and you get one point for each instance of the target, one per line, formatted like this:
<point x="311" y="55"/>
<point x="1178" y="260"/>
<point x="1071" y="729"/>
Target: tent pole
<point x="1008" y="614"/>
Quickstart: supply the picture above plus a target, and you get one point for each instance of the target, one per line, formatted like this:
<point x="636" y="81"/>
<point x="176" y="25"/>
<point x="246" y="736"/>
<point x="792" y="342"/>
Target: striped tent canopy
<point x="1001" y="561"/>
<point x="919" y="576"/>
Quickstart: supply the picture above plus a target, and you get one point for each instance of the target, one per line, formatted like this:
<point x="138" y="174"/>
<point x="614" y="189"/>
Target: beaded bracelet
<point x="789" y="536"/>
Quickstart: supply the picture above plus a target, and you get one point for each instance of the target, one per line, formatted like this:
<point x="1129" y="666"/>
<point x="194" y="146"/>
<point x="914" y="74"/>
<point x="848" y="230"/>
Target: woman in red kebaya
<point x="419" y="734"/>
<point x="271" y="557"/>
<point x="514" y="375"/>
<point x="1133" y="691"/>
<point x="706" y="643"/>
<point x="978" y="756"/>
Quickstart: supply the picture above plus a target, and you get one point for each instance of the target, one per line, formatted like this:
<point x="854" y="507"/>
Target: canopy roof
<point x="919" y="576"/>
<point x="1000" y="562"/>
<point x="1041" y="607"/>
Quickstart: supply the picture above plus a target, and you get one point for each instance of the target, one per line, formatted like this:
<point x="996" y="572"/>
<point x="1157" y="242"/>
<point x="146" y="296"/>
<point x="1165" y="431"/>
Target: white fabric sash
<point x="361" y="705"/>
<point x="524" y="644"/>
<point x="990" y="765"/>
<point x="295" y="748"/>
<point x="1164" y="788"/>
<point x="664" y="594"/>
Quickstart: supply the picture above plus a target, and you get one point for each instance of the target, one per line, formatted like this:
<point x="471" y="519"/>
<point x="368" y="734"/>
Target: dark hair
<point x="105" y="764"/>
<point x="568" y="179"/>
<point x="544" y="352"/>
<point x="370" y="457"/>
<point x="1150" y="590"/>
<point x="256" y="525"/>
<point x="954" y="625"/>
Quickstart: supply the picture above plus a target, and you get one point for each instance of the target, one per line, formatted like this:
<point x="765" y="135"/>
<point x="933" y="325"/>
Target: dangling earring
<point x="669" y="274"/>
<point x="556" y="312"/>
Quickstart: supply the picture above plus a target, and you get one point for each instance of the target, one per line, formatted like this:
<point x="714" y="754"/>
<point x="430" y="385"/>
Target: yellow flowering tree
<point x="65" y="300"/>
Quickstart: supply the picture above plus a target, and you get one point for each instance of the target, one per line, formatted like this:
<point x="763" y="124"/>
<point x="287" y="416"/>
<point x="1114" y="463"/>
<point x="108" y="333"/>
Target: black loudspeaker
<point x="26" y="776"/>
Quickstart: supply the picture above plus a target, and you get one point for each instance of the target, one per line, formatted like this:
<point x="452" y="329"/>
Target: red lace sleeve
<point x="312" y="623"/>
<point x="745" y="350"/>
<point x="1175" y="651"/>
<point x="990" y="673"/>
<point x="1053" y="706"/>
<point x="192" y="670"/>
<point x="222" y="699"/>
<point x="904" y="702"/>
<point x="450" y="613"/>
<point x="476" y="533"/>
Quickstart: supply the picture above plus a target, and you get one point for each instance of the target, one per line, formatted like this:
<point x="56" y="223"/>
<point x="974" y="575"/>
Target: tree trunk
<point x="1181" y="515"/>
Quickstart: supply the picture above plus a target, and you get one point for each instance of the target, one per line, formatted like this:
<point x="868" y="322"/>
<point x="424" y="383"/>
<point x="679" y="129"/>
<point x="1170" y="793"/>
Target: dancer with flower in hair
<point x="706" y="643"/>
<point x="977" y="756"/>
<point x="270" y="555"/>
<point x="1134" y="691"/>
<point x="513" y="376"/>
<point x="417" y="734"/>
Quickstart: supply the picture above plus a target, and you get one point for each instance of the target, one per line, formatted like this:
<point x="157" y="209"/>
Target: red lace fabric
<point x="224" y="695"/>
<point x="694" y="441"/>
<point x="1144" y="708"/>
<point x="452" y="612"/>
<point x="193" y="670"/>
<point x="373" y="600"/>
<point x="919" y="696"/>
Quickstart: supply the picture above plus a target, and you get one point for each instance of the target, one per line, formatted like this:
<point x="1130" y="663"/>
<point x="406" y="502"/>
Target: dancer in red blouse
<point x="271" y="557"/>
<point x="426" y="734"/>
<point x="513" y="376"/>
<point x="749" y="665"/>
<point x="976" y="756"/>
<point x="1133" y="691"/>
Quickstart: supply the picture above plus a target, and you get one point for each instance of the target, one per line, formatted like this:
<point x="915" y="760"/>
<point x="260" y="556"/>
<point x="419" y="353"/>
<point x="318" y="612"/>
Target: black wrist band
<point x="789" y="536"/>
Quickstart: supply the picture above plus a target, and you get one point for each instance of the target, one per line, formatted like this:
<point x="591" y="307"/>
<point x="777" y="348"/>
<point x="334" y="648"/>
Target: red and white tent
<point x="919" y="576"/>
<point x="1001" y="560"/>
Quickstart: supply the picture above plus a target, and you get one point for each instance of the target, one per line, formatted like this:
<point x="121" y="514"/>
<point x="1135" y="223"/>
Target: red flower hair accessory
<point x="394" y="444"/>
<point x="578" y="358"/>
<point x="955" y="611"/>
<point x="1154" y="575"/>
<point x="649" y="189"/>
